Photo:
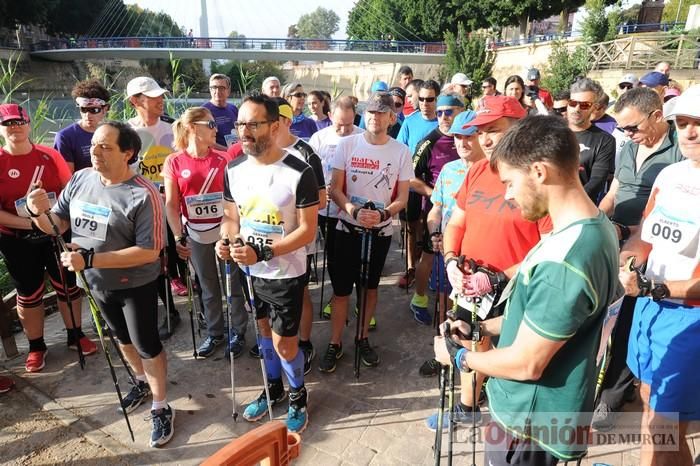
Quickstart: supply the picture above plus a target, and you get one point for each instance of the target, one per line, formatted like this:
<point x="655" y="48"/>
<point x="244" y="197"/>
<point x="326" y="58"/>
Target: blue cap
<point x="379" y="86"/>
<point x="461" y="120"/>
<point x="449" y="100"/>
<point x="654" y="79"/>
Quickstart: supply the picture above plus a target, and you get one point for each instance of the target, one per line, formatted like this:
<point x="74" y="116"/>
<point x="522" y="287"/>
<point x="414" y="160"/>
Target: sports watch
<point x="267" y="253"/>
<point x="659" y="291"/>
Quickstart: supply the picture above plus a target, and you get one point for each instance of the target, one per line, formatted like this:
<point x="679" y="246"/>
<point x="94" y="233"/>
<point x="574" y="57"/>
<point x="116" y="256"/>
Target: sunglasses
<point x="448" y="113"/>
<point x="93" y="110"/>
<point x="627" y="86"/>
<point x="559" y="110"/>
<point x="14" y="123"/>
<point x="633" y="129"/>
<point x="398" y="104"/>
<point x="299" y="95"/>
<point x="211" y="124"/>
<point x="251" y="125"/>
<point x="426" y="99"/>
<point x="579" y="104"/>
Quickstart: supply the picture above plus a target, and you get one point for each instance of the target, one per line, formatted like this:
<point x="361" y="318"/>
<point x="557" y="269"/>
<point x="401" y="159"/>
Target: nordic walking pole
<point x="94" y="309"/>
<point x="190" y="298"/>
<point x="251" y="304"/>
<point x="364" y="280"/>
<point x="64" y="284"/>
<point x="229" y="313"/>
<point x="325" y="255"/>
<point x="166" y="274"/>
<point x="476" y="336"/>
<point x="442" y="382"/>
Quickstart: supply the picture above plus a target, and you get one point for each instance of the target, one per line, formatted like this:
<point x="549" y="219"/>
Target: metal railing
<point x="644" y="52"/>
<point x="648" y="27"/>
<point x="242" y="43"/>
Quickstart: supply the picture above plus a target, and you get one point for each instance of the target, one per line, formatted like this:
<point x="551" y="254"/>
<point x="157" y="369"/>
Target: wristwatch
<point x="267" y="253"/>
<point x="659" y="291"/>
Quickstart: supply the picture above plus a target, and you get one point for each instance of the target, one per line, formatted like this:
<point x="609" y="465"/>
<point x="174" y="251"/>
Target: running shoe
<point x="86" y="345"/>
<point x="327" y="311"/>
<point x="235" y="346"/>
<point x="209" y="345"/>
<point x="333" y="353"/>
<point x="178" y="287"/>
<point x="368" y="356"/>
<point x="175" y="320"/>
<point x="136" y="396"/>
<point x="430" y="368"/>
<point x="604" y="417"/>
<point x="254" y="351"/>
<point x="419" y="307"/>
<point x="408" y="279"/>
<point x="6" y="384"/>
<point x="257" y="409"/>
<point x="36" y="360"/>
<point x="309" y="355"/>
<point x="163" y="426"/>
<point x="297" y="417"/>
<point x="460" y="416"/>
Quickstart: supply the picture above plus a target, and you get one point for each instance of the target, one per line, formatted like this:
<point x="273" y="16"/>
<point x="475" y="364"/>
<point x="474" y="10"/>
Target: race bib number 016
<point x="89" y="220"/>
<point x="262" y="234"/>
<point x="205" y="206"/>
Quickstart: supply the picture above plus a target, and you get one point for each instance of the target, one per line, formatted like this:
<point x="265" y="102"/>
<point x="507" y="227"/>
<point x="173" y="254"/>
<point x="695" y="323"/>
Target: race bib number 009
<point x="673" y="231"/>
<point x="205" y="206"/>
<point x="89" y="220"/>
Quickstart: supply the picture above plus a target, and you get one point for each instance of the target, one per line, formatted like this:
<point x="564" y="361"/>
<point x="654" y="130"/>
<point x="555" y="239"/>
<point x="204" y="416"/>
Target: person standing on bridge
<point x="156" y="134"/>
<point x="302" y="126"/>
<point x="73" y="142"/>
<point x="224" y="113"/>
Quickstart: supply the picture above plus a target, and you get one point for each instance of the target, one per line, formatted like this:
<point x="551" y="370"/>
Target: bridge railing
<point x="645" y="51"/>
<point x="242" y="43"/>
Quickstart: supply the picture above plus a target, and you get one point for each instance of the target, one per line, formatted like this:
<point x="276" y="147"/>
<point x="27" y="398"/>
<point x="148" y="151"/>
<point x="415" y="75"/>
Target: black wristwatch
<point x="659" y="291"/>
<point x="267" y="253"/>
<point x="262" y="253"/>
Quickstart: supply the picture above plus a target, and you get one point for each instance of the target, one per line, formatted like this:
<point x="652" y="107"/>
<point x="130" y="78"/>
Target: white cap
<point x="629" y="78"/>
<point x="686" y="104"/>
<point x="144" y="85"/>
<point x="461" y="79"/>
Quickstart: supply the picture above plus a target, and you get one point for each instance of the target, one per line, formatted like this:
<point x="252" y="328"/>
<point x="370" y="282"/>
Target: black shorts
<point x="281" y="299"/>
<point x="503" y="449"/>
<point x="348" y="257"/>
<point x="327" y="225"/>
<point x="27" y="263"/>
<point x="132" y="315"/>
<point x="413" y="208"/>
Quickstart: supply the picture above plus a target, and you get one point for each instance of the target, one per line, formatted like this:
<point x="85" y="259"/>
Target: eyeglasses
<point x="14" y="123"/>
<point x="426" y="99"/>
<point x="93" y="110"/>
<point x="623" y="86"/>
<point x="633" y="129"/>
<point x="217" y="88"/>
<point x="211" y="124"/>
<point x="251" y="125"/>
<point x="579" y="104"/>
<point x="299" y="95"/>
<point x="559" y="110"/>
<point x="448" y="112"/>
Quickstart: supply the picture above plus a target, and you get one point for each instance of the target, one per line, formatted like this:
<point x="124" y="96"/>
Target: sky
<point x="253" y="18"/>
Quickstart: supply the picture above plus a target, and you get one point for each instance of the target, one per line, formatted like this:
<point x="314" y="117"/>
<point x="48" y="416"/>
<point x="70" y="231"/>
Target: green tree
<point x="564" y="67"/>
<point x="467" y="53"/>
<point x="57" y="16"/>
<point x="319" y="24"/>
<point x="672" y="10"/>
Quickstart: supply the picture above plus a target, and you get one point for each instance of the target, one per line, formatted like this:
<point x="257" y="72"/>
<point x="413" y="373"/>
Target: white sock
<point x="141" y="377"/>
<point x="156" y="405"/>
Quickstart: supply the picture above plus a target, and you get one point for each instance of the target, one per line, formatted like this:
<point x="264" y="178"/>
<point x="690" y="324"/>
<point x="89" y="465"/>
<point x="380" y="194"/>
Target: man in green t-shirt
<point x="543" y="371"/>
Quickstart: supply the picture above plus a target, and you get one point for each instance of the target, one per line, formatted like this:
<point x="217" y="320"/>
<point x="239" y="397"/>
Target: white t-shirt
<point x="324" y="143"/>
<point x="268" y="197"/>
<point x="372" y="173"/>
<point x="672" y="224"/>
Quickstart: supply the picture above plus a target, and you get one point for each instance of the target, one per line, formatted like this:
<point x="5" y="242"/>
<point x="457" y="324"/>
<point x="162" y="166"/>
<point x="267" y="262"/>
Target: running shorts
<point x="280" y="299"/>
<point x="345" y="271"/>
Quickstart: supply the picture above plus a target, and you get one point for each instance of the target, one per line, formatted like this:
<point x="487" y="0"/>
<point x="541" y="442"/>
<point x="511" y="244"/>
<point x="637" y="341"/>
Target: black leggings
<point x="131" y="314"/>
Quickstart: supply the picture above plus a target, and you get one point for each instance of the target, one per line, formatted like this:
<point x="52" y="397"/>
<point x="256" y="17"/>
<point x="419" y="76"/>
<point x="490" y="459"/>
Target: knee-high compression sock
<point x="272" y="359"/>
<point x="294" y="370"/>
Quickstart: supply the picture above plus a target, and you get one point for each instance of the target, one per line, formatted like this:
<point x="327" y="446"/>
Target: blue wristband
<point x="458" y="358"/>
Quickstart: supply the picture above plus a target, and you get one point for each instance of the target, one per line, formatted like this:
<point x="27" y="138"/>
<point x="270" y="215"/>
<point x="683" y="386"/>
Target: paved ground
<point x="378" y="420"/>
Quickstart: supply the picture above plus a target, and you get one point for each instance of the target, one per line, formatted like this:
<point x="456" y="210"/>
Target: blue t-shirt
<point x="414" y="129"/>
<point x="325" y="123"/>
<point x="73" y="142"/>
<point x="303" y="127"/>
<point x="224" y="117"/>
<point x="447" y="185"/>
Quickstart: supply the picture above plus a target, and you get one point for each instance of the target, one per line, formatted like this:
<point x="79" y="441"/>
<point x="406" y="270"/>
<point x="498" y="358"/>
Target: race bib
<point x="611" y="315"/>
<point x="262" y="234"/>
<point x="20" y="205"/>
<point x="205" y="206"/>
<point x="361" y="201"/>
<point x="89" y="220"/>
<point x="230" y="139"/>
<point x="673" y="230"/>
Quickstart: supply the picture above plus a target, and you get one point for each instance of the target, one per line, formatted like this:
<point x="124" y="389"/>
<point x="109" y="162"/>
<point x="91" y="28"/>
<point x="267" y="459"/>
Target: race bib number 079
<point x="89" y="220"/>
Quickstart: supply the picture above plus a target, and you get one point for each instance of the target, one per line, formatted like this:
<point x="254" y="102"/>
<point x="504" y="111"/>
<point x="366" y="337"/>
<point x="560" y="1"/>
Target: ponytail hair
<point x="181" y="131"/>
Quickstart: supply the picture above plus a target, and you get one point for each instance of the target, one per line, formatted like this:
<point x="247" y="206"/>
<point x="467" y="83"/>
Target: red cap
<point x="12" y="112"/>
<point x="495" y="107"/>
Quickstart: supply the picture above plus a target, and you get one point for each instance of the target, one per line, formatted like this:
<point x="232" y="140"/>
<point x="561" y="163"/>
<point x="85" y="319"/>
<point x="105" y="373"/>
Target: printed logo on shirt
<point x="382" y="178"/>
<point x="13" y="173"/>
<point x="480" y="197"/>
<point x="583" y="147"/>
<point x="364" y="163"/>
<point x="186" y="173"/>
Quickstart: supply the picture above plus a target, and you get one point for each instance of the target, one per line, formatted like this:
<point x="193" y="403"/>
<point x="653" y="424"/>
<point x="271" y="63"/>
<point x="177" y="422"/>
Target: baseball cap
<point x="459" y="125"/>
<point x="13" y="112"/>
<point x="686" y="104"/>
<point x="532" y="74"/>
<point x="630" y="79"/>
<point x="380" y="102"/>
<point x="379" y="86"/>
<point x="496" y="106"/>
<point x="398" y="92"/>
<point x="671" y="92"/>
<point x="461" y="79"/>
<point x="144" y="85"/>
<point x="654" y="79"/>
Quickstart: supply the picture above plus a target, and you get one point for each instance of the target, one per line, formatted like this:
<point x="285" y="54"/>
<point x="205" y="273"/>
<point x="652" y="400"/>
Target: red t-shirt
<point x="200" y="182"/>
<point x="495" y="234"/>
<point x="546" y="98"/>
<point x="19" y="172"/>
<point x="235" y="150"/>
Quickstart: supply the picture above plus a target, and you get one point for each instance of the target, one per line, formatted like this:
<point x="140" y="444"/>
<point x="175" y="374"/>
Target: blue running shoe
<point x="257" y="409"/>
<point x="461" y="416"/>
<point x="419" y="307"/>
<point x="297" y="417"/>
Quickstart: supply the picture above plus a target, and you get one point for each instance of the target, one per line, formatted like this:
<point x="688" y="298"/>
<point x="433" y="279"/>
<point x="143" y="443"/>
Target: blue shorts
<point x="663" y="351"/>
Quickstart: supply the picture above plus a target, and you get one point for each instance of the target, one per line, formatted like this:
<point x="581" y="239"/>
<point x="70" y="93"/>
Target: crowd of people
<point x="521" y="209"/>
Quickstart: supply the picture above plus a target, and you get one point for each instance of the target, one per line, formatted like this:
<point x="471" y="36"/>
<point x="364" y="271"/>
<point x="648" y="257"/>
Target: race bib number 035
<point x="262" y="234"/>
<point x="205" y="206"/>
<point x="89" y="220"/>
